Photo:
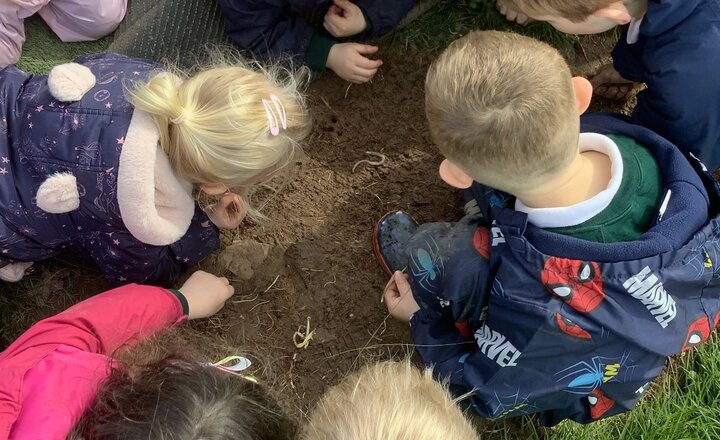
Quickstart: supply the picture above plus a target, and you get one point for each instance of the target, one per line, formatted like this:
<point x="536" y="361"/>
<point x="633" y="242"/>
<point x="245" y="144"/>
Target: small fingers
<point x="402" y="282"/>
<point x="367" y="63"/>
<point x="364" y="75"/>
<point x="366" y="49"/>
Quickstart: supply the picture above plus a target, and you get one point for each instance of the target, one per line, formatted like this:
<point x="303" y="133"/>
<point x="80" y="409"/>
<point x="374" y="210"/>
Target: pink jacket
<point x="51" y="374"/>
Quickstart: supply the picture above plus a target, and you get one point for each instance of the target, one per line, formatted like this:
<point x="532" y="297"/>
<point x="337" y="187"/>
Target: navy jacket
<point x="538" y="322"/>
<point x="678" y="56"/>
<point x="275" y="29"/>
<point x="41" y="136"/>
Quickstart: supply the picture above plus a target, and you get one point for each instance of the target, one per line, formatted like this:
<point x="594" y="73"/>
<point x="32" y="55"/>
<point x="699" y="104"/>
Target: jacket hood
<point x="685" y="213"/>
<point x="663" y="15"/>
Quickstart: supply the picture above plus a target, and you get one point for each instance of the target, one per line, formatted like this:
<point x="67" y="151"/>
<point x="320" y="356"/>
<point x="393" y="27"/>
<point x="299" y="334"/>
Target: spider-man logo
<point x="571" y="328"/>
<point x="578" y="283"/>
<point x="698" y="332"/>
<point x="481" y="241"/>
<point x="600" y="404"/>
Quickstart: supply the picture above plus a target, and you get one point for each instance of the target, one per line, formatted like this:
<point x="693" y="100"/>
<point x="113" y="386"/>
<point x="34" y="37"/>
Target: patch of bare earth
<point x="314" y="262"/>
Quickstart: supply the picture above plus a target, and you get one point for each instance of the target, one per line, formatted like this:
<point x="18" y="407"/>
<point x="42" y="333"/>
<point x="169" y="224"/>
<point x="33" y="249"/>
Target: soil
<point x="316" y="267"/>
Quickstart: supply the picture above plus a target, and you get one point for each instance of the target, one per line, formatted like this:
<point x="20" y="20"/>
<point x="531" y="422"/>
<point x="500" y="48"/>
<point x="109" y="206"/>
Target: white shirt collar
<point x="581" y="212"/>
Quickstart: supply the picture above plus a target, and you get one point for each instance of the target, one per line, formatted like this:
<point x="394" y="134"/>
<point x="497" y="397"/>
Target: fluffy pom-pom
<point x="69" y="82"/>
<point x="14" y="272"/>
<point x="58" y="194"/>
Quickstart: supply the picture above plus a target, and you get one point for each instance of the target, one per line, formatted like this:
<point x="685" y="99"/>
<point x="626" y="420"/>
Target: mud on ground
<point x="319" y="265"/>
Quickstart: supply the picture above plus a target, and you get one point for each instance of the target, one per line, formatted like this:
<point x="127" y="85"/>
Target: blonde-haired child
<point x="102" y="156"/>
<point x="669" y="45"/>
<point x="388" y="401"/>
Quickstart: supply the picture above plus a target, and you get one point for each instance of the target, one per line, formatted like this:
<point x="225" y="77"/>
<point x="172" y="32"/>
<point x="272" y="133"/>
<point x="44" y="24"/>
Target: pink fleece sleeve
<point x="98" y="325"/>
<point x="105" y="322"/>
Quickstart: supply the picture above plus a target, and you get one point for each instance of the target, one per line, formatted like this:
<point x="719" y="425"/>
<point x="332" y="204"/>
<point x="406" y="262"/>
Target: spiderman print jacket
<point x="81" y="170"/>
<point x="537" y="322"/>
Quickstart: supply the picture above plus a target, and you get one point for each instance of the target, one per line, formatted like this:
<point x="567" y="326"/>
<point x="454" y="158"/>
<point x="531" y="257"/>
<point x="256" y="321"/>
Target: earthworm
<point x="381" y="160"/>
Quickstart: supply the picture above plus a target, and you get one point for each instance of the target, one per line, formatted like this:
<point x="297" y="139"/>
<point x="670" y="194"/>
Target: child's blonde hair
<point x="573" y="10"/>
<point x="388" y="401"/>
<point x="232" y="123"/>
<point x="502" y="108"/>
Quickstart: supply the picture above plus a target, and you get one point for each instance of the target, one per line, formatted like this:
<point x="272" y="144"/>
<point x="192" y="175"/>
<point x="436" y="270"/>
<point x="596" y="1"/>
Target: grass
<point x="451" y="19"/>
<point x="43" y="49"/>
<point x="684" y="405"/>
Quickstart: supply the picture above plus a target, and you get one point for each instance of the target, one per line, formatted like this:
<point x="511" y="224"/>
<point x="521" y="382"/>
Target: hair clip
<point x="241" y="364"/>
<point x="273" y="119"/>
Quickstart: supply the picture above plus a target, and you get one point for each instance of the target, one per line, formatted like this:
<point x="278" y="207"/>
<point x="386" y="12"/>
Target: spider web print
<point x="705" y="257"/>
<point x="511" y="404"/>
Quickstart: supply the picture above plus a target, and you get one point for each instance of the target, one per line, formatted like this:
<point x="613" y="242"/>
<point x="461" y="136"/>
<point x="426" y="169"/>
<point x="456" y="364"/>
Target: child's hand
<point x="511" y="14"/>
<point x="344" y="19"/>
<point x="206" y="294"/>
<point x="399" y="298"/>
<point x="348" y="61"/>
<point x="228" y="212"/>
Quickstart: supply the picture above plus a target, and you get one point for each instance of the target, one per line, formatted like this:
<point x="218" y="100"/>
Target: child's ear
<point x="615" y="12"/>
<point x="454" y="176"/>
<point x="583" y="93"/>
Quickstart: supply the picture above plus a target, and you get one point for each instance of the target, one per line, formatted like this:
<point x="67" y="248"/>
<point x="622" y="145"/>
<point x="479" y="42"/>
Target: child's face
<point x="591" y="25"/>
<point x="603" y="19"/>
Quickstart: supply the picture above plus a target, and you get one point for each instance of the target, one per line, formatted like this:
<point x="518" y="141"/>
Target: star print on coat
<point x="578" y="283"/>
<point x="698" y="332"/>
<point x="570" y="328"/>
<point x="600" y="404"/>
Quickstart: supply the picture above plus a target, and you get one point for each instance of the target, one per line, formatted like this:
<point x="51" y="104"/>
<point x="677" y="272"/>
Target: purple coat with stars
<point x="125" y="209"/>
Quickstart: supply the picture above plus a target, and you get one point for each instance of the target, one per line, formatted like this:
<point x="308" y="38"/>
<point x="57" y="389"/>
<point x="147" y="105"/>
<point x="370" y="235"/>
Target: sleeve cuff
<point x="182" y="299"/>
<point x="317" y="52"/>
<point x="368" y="26"/>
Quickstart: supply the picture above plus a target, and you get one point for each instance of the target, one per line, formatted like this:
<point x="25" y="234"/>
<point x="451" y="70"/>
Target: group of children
<point x="587" y="254"/>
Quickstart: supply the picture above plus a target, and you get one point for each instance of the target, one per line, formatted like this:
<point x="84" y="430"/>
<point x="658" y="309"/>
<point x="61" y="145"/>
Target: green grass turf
<point x="43" y="49"/>
<point x="450" y="19"/>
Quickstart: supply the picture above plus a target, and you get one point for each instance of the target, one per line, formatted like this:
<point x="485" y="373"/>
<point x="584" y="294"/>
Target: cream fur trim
<point x="58" y="194"/>
<point x="156" y="205"/>
<point x="69" y="82"/>
<point x="14" y="272"/>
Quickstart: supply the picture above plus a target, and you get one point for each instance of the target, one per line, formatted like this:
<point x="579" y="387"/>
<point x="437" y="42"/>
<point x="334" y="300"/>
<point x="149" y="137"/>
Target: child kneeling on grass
<point x="320" y="33"/>
<point x="673" y="46"/>
<point x="71" y="20"/>
<point x="590" y="252"/>
<point x="61" y="376"/>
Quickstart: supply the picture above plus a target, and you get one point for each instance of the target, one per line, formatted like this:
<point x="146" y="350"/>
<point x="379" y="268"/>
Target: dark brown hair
<point x="176" y="398"/>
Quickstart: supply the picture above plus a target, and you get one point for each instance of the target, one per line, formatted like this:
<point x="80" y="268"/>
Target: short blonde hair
<point x="388" y="401"/>
<point x="214" y="125"/>
<point x="502" y="108"/>
<point x="573" y="10"/>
